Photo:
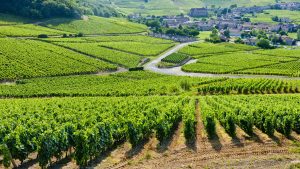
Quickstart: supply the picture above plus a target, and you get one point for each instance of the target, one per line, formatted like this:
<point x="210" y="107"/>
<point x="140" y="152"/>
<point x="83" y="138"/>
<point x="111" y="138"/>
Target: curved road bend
<point x="176" y="71"/>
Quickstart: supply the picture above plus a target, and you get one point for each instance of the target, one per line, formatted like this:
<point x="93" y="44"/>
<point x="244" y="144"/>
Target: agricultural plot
<point x="267" y="113"/>
<point x="52" y="126"/>
<point x="28" y="58"/>
<point x="229" y="63"/>
<point x="115" y="38"/>
<point x="143" y="84"/>
<point x="287" y="69"/>
<point x="293" y="53"/>
<point x="114" y="56"/>
<point x="175" y="58"/>
<point x="245" y="60"/>
<point x="250" y="86"/>
<point x="138" y="48"/>
<point x="96" y="25"/>
<point x="124" y="84"/>
<point x="128" y="52"/>
<point x="206" y="49"/>
<point x="208" y="68"/>
<point x="28" y="30"/>
<point x="108" y="122"/>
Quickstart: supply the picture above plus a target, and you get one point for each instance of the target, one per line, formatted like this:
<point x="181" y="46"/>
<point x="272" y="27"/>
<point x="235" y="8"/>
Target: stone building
<point x="199" y="12"/>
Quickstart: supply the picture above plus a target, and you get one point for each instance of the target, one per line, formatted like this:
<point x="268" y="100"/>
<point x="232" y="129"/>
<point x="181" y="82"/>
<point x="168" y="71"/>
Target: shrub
<point x="42" y="36"/>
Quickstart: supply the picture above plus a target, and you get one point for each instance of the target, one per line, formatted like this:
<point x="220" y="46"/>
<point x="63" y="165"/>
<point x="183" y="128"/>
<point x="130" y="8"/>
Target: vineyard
<point x="241" y="59"/>
<point x="103" y="123"/>
<point x="68" y="101"/>
<point x="95" y="25"/>
<point x="28" y="30"/>
<point x="175" y="58"/>
<point x="143" y="84"/>
<point x="267" y="113"/>
<point x="108" y="122"/>
<point x="127" y="51"/>
<point x="28" y="58"/>
<point x="125" y="84"/>
<point x="205" y="49"/>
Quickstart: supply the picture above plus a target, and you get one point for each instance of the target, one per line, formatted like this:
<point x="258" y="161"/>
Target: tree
<point x="264" y="43"/>
<point x="153" y="24"/>
<point x="239" y="41"/>
<point x="282" y="32"/>
<point x="246" y="19"/>
<point x="275" y="18"/>
<point x="227" y="33"/>
<point x="214" y="36"/>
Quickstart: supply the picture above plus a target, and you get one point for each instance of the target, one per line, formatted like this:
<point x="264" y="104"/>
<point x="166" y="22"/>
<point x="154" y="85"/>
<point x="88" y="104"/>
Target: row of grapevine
<point x="190" y="121"/>
<point x="251" y="86"/>
<point x="137" y="83"/>
<point x="267" y="113"/>
<point x="89" y="126"/>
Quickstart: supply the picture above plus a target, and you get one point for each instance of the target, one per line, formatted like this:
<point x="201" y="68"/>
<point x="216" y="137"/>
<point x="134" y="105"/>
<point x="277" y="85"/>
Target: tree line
<point x="39" y="9"/>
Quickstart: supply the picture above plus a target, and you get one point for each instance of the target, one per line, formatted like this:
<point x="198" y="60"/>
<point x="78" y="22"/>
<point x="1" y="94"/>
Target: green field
<point x="127" y="51"/>
<point x="19" y="27"/>
<point x="241" y="59"/>
<point x="96" y="25"/>
<point x="29" y="58"/>
<point x="175" y="58"/>
<point x="142" y="84"/>
<point x="28" y="30"/>
<point x="266" y="17"/>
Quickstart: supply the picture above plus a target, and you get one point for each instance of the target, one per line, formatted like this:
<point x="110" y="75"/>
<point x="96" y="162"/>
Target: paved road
<point x="176" y="71"/>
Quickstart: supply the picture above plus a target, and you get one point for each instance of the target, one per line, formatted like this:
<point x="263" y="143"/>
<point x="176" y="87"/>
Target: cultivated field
<point x="241" y="59"/>
<point x="76" y="102"/>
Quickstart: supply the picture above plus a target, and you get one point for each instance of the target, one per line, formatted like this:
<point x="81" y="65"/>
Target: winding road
<point x="176" y="71"/>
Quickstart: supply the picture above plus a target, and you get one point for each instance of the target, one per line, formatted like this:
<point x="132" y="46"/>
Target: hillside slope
<point x="171" y="7"/>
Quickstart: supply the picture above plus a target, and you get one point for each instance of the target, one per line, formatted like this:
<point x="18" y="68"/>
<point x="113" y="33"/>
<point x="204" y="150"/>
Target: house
<point x="171" y="23"/>
<point x="224" y="38"/>
<point x="199" y="12"/>
<point x="250" y="41"/>
<point x="235" y="32"/>
<point x="285" y="20"/>
<point x="289" y="41"/>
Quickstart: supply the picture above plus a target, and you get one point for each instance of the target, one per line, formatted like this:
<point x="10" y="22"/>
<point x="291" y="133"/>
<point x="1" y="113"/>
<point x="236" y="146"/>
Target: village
<point x="234" y="23"/>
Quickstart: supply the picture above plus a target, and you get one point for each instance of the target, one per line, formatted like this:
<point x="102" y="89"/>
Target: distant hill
<point x="173" y="7"/>
<point x="56" y="8"/>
